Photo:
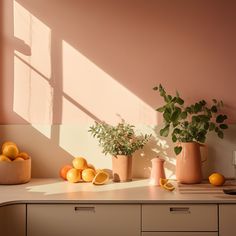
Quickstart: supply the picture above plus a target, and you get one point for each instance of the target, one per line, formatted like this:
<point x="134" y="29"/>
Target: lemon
<point x="217" y="179"/>
<point x="162" y="181"/>
<point x="168" y="186"/>
<point x="79" y="163"/>
<point x="88" y="174"/>
<point x="100" y="178"/>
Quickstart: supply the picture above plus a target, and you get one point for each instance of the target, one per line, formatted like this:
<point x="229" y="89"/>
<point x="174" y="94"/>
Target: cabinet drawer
<point x="180" y="234"/>
<point x="70" y="219"/>
<point x="180" y="217"/>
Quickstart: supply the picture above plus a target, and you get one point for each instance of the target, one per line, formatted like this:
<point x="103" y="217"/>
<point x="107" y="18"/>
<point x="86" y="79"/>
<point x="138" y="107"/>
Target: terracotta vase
<point x="122" y="168"/>
<point x="189" y="164"/>
<point x="157" y="171"/>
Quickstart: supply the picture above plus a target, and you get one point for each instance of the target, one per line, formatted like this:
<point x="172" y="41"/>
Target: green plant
<point x="118" y="140"/>
<point x="190" y="123"/>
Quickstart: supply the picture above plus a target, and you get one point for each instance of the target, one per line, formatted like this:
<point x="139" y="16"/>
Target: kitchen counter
<point x="49" y="190"/>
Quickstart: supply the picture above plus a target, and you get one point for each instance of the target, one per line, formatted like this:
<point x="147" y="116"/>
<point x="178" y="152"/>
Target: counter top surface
<point x="50" y="190"/>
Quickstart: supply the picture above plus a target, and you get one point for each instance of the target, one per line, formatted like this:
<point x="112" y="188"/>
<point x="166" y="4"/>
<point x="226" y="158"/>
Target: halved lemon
<point x="162" y="181"/>
<point x="168" y="186"/>
<point x="101" y="178"/>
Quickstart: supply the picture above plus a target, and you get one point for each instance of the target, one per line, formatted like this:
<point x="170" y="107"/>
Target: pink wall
<point x="127" y="46"/>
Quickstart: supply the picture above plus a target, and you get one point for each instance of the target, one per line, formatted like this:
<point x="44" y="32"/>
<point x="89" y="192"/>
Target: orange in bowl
<point x="11" y="151"/>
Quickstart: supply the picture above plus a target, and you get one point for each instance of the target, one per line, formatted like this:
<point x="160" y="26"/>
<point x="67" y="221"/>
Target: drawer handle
<point x="88" y="209"/>
<point x="180" y="210"/>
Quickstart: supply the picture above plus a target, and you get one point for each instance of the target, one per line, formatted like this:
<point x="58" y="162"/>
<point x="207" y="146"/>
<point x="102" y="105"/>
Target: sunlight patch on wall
<point x="32" y="69"/>
<point x="34" y="33"/>
<point x="99" y="93"/>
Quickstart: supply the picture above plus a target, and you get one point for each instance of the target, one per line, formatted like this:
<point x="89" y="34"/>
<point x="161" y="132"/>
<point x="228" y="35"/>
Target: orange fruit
<point x="63" y="171"/>
<point x="7" y="143"/>
<point x="217" y="179"/>
<point x="88" y="175"/>
<point x="101" y="178"/>
<point x="73" y="175"/>
<point x="168" y="186"/>
<point x="19" y="159"/>
<point x="4" y="158"/>
<point x="23" y="155"/>
<point x="79" y="163"/>
<point x="10" y="150"/>
<point x="162" y="181"/>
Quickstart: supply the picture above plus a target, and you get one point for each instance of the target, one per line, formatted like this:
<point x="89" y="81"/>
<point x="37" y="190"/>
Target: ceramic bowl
<point x="15" y="172"/>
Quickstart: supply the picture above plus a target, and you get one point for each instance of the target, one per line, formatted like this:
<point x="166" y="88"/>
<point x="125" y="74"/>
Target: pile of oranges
<point x="10" y="152"/>
<point x="81" y="171"/>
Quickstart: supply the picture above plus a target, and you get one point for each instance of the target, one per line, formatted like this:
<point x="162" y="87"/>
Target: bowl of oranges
<point x="15" y="165"/>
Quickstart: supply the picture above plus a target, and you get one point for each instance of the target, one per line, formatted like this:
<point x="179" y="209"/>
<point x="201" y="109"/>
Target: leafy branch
<point x="190" y="123"/>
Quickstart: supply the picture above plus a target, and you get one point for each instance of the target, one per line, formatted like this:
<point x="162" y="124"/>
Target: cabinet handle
<point x="85" y="208"/>
<point x="180" y="210"/>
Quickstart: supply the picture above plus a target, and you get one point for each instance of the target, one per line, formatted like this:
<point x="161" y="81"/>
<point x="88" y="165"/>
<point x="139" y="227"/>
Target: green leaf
<point x="221" y="118"/>
<point x="176" y="131"/>
<point x="183" y="115"/>
<point x="174" y="138"/>
<point x="223" y="126"/>
<point x="175" y="114"/>
<point x="197" y="107"/>
<point x="180" y="101"/>
<point x="212" y="126"/>
<point x="165" y="131"/>
<point x="177" y="150"/>
<point x="155" y="88"/>
<point x="220" y="134"/>
<point x="161" y="109"/>
<point x="166" y="115"/>
<point x="214" y="109"/>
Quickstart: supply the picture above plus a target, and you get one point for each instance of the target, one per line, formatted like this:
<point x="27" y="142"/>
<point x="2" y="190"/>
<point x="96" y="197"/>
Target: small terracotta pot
<point x="15" y="172"/>
<point x="122" y="168"/>
<point x="189" y="163"/>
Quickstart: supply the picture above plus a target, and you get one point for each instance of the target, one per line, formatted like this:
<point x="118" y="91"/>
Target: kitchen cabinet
<point x="89" y="220"/>
<point x="13" y="220"/>
<point x="227" y="216"/>
<point x="180" y="219"/>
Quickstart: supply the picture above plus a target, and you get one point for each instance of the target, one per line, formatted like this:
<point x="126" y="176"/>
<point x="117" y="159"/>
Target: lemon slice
<point x="101" y="178"/>
<point x="162" y="181"/>
<point x="168" y="186"/>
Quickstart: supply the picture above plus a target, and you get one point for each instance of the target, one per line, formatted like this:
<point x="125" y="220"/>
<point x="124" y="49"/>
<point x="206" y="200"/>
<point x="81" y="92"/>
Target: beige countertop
<point x="49" y="190"/>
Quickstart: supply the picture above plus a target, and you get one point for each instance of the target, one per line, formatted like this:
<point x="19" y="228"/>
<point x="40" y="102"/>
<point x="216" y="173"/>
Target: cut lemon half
<point x="101" y="178"/>
<point x="168" y="186"/>
<point x="162" y="181"/>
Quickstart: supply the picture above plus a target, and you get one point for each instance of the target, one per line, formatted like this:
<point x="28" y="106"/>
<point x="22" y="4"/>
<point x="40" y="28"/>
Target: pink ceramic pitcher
<point x="157" y="171"/>
<point x="189" y="163"/>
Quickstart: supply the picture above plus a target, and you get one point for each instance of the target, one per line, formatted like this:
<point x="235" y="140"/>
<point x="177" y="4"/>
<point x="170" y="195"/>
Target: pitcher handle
<point x="204" y="146"/>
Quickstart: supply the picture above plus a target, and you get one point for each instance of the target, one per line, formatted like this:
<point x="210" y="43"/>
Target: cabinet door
<point x="179" y="217"/>
<point x="180" y="234"/>
<point x="227" y="216"/>
<point x="89" y="220"/>
<point x="13" y="220"/>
